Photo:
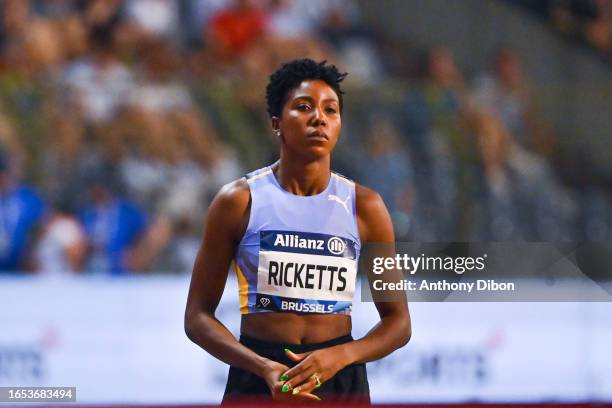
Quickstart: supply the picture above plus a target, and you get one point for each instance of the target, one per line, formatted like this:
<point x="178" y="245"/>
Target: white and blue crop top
<point x="299" y="253"/>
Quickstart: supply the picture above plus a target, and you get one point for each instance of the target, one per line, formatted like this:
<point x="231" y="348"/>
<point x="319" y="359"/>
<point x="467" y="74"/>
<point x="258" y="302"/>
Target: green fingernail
<point x="284" y="377"/>
<point x="288" y="351"/>
<point x="285" y="388"/>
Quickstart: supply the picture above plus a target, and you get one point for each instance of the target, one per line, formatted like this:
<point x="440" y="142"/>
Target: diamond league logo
<point x="264" y="302"/>
<point x="336" y="246"/>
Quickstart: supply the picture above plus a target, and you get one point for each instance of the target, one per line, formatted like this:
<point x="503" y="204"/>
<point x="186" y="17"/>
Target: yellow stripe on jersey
<point x="260" y="175"/>
<point x="350" y="182"/>
<point x="243" y="289"/>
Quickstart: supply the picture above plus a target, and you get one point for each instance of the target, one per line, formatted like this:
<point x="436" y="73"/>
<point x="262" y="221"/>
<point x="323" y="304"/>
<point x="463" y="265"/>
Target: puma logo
<point x="333" y="197"/>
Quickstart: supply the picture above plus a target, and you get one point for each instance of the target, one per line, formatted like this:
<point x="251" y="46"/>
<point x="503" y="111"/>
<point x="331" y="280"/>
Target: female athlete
<point x="293" y="233"/>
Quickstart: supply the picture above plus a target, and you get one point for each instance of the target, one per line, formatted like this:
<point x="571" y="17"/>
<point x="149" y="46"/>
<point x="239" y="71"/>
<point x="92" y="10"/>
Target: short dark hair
<point x="291" y="74"/>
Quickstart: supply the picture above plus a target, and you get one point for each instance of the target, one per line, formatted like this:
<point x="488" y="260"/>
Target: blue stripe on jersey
<point x="274" y="303"/>
<point x="307" y="243"/>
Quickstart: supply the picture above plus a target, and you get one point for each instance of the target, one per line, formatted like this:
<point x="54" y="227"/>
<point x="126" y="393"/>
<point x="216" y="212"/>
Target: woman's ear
<point x="276" y="126"/>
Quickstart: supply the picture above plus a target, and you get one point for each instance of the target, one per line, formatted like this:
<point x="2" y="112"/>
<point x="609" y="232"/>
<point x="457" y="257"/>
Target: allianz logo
<point x="335" y="245"/>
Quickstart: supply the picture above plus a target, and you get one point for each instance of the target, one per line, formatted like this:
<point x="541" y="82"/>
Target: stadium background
<point x="119" y="120"/>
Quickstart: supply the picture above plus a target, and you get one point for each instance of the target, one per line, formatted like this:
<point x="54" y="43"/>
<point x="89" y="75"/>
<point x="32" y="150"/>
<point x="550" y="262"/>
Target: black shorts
<point x="348" y="385"/>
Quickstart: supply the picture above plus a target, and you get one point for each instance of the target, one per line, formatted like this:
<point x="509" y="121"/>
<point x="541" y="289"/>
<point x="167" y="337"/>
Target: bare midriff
<point x="295" y="328"/>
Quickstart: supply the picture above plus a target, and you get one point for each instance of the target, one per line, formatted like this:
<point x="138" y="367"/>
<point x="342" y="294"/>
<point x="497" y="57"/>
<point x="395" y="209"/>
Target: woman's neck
<point x="300" y="177"/>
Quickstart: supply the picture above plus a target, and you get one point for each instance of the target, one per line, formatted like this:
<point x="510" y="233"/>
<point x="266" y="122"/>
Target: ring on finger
<point x="317" y="379"/>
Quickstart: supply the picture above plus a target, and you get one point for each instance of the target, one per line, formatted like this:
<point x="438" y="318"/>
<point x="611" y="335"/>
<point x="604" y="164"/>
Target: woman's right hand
<point x="272" y="374"/>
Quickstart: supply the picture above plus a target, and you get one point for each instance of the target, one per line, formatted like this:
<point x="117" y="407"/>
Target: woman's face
<point x="310" y="122"/>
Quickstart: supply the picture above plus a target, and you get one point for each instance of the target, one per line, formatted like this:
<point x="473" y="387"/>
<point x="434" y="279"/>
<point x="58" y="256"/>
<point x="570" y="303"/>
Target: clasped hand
<point x="313" y="369"/>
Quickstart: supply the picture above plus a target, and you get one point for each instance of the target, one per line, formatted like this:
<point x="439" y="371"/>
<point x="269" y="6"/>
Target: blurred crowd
<point x="119" y="121"/>
<point x="589" y="21"/>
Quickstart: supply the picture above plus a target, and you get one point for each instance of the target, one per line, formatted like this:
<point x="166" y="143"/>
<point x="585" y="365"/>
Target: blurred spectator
<point x="341" y="25"/>
<point x="113" y="226"/>
<point x="517" y="196"/>
<point x="154" y="18"/>
<point x="599" y="31"/>
<point x="14" y="20"/>
<point x="508" y="94"/>
<point x="157" y="90"/>
<point x="65" y="158"/>
<point x="21" y="211"/>
<point x="437" y="104"/>
<point x="99" y="13"/>
<point x="197" y="15"/>
<point x="287" y="19"/>
<point x="30" y="44"/>
<point x="173" y="155"/>
<point x="62" y="246"/>
<point x="552" y="207"/>
<point x="388" y="168"/>
<point x="568" y="16"/>
<point x="98" y="83"/>
<point x="236" y="28"/>
<point x="498" y="210"/>
<point x="435" y="123"/>
<point x="73" y="36"/>
<point x="589" y="21"/>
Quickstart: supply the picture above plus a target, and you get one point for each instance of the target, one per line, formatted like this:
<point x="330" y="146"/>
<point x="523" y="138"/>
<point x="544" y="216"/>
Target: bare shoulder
<point x="367" y="199"/>
<point x="234" y="195"/>
<point x="372" y="216"/>
<point x="229" y="212"/>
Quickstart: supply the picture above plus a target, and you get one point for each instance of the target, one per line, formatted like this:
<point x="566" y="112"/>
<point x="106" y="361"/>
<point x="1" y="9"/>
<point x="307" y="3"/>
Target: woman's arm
<point x="394" y="329"/>
<point x="224" y="225"/>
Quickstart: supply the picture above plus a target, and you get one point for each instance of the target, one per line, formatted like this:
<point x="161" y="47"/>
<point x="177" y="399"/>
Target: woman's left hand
<point x="314" y="368"/>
